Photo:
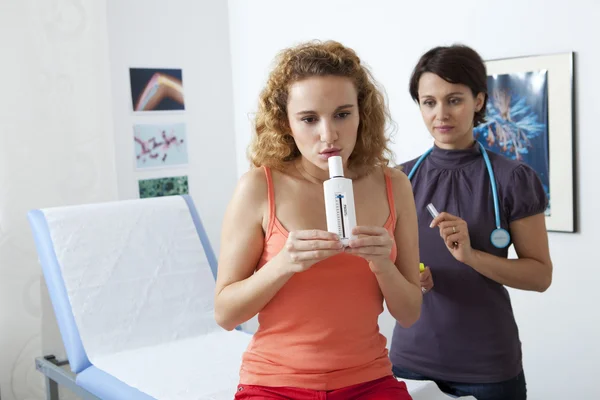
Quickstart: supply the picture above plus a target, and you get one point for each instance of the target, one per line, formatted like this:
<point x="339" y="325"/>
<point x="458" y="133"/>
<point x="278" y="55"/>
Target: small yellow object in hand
<point x="421" y="267"/>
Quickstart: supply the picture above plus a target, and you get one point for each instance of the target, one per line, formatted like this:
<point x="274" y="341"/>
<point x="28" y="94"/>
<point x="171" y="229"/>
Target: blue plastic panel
<point x="210" y="255"/>
<point x="76" y="354"/>
<point x="107" y="387"/>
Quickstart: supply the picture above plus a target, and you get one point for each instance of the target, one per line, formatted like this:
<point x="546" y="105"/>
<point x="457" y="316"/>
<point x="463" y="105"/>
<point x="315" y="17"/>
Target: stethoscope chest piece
<point x="500" y="238"/>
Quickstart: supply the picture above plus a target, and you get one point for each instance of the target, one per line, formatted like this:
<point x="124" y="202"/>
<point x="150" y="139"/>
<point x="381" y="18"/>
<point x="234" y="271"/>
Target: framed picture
<point x="156" y="89"/>
<point x="530" y="119"/>
<point x="158" y="187"/>
<point x="160" y="145"/>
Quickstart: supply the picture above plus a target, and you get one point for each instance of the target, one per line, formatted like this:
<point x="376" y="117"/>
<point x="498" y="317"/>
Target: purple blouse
<point x="467" y="331"/>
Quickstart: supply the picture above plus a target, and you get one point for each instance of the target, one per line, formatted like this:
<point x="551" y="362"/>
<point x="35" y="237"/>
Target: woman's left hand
<point x="374" y="244"/>
<point x="455" y="233"/>
<point x="426" y="280"/>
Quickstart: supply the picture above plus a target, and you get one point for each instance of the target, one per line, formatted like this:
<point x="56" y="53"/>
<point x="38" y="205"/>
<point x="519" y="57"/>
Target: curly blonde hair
<point x="272" y="144"/>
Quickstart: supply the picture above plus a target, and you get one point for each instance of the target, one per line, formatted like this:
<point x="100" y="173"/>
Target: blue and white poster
<point x="517" y="121"/>
<point x="160" y="145"/>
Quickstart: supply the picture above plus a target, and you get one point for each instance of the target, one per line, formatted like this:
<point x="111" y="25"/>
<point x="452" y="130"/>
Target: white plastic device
<point x="339" y="201"/>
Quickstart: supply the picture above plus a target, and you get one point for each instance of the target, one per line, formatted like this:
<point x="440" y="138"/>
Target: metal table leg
<point x="55" y="375"/>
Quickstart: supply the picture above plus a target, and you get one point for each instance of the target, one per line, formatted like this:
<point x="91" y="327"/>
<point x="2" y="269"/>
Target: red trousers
<point x="387" y="388"/>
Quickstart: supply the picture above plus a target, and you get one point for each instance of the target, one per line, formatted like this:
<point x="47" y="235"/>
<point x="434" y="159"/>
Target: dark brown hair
<point x="455" y="64"/>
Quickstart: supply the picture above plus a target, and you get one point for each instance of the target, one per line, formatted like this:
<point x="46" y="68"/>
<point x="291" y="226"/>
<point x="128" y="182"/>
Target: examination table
<point x="131" y="284"/>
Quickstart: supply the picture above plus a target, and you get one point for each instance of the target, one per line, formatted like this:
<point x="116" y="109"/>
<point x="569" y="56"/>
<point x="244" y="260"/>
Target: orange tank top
<point x="320" y="331"/>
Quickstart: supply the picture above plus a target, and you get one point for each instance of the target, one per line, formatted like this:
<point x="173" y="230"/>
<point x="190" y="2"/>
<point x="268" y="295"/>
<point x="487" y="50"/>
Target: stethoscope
<point x="500" y="237"/>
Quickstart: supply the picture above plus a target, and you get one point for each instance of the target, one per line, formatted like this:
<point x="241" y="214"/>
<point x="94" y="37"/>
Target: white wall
<point x="56" y="148"/>
<point x="60" y="145"/>
<point x="559" y="328"/>
<point x="59" y="139"/>
<point x="193" y="36"/>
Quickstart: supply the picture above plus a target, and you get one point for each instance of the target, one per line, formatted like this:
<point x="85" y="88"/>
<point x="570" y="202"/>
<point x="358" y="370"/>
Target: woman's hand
<point x="305" y="248"/>
<point x="426" y="280"/>
<point x="455" y="233"/>
<point x="374" y="244"/>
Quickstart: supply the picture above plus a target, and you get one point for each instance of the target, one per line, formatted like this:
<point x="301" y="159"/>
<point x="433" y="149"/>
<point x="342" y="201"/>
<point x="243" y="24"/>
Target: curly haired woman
<point x="317" y="301"/>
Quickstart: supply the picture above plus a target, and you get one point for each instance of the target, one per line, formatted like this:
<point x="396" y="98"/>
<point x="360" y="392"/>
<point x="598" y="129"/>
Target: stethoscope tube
<point x="500" y="238"/>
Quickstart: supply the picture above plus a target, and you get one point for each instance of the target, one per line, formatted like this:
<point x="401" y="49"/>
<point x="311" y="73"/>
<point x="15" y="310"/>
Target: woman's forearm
<point x="403" y="299"/>
<point x="242" y="300"/>
<point x="522" y="273"/>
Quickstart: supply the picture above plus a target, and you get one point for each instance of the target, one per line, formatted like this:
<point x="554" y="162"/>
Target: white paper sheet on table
<point x="141" y="291"/>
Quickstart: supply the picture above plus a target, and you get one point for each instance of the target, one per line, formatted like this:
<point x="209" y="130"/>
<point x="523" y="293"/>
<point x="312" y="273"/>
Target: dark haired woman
<point x="467" y="340"/>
